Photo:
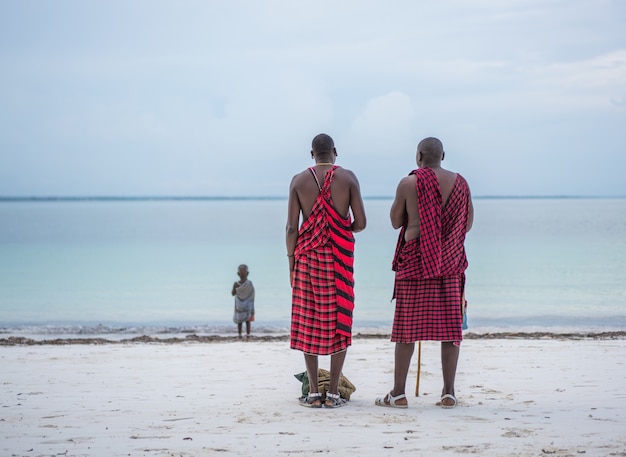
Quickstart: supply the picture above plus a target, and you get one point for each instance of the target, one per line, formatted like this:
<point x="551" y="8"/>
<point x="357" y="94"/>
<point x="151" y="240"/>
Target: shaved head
<point x="430" y="152"/>
<point x="431" y="147"/>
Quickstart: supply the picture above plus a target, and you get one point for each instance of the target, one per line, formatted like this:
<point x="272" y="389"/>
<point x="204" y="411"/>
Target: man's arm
<point x="357" y="207"/>
<point x="470" y="213"/>
<point x="398" y="212"/>
<point x="291" y="231"/>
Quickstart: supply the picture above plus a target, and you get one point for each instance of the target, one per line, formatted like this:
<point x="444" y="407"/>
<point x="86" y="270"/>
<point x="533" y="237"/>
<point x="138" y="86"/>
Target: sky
<point x="223" y="98"/>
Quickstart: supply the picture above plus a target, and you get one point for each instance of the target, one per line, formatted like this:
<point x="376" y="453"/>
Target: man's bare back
<point x="343" y="188"/>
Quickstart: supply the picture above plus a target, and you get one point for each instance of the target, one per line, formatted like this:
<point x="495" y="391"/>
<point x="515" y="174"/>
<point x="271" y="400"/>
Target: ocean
<point x="135" y="266"/>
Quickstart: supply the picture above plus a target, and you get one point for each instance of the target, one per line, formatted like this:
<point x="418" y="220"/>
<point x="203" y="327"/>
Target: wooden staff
<point x="419" y="368"/>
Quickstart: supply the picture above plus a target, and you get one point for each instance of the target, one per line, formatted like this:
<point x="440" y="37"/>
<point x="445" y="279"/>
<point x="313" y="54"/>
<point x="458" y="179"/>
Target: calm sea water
<point x="167" y="266"/>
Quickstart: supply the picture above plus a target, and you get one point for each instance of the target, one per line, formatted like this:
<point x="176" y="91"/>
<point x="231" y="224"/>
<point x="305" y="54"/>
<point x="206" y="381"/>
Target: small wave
<point x="125" y="331"/>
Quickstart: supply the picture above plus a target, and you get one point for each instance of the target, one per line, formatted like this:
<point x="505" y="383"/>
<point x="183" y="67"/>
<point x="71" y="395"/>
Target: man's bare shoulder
<point x="446" y="172"/>
<point x="299" y="177"/>
<point x="407" y="183"/>
<point x="345" y="174"/>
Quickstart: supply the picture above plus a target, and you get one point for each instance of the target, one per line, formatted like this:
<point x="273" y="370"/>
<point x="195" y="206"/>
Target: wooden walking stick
<point x="419" y="368"/>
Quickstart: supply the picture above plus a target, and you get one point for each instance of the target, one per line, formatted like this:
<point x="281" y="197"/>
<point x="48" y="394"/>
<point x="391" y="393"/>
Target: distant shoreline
<point x="111" y="198"/>
<point x="23" y="341"/>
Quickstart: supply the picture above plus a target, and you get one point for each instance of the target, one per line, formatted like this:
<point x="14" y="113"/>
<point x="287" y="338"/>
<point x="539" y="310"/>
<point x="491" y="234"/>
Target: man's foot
<point x="313" y="400"/>
<point x="448" y="401"/>
<point x="334" y="401"/>
<point x="399" y="401"/>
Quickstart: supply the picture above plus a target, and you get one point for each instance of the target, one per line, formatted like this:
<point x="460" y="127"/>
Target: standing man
<point x="433" y="208"/>
<point x="321" y="260"/>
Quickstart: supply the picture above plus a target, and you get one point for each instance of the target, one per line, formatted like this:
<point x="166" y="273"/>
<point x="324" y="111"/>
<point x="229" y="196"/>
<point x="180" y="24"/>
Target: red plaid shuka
<point x="430" y="270"/>
<point x="323" y="287"/>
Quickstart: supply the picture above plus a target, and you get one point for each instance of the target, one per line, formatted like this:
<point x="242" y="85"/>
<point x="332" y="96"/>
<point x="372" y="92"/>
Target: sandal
<point x="313" y="400"/>
<point x="390" y="401"/>
<point x="448" y="397"/>
<point x="334" y="401"/>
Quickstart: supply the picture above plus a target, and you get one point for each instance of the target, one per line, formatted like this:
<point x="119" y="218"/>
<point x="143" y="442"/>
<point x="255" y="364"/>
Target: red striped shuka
<point x="430" y="270"/>
<point x="323" y="284"/>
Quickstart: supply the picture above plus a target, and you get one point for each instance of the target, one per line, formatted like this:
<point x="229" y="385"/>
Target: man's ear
<point x="443" y="155"/>
<point x="312" y="154"/>
<point x="335" y="152"/>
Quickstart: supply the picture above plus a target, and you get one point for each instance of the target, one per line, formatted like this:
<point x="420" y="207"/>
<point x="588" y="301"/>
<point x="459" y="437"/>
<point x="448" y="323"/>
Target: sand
<point x="517" y="397"/>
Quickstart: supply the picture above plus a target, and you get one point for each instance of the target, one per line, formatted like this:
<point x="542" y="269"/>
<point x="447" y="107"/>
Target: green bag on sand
<point x="346" y="388"/>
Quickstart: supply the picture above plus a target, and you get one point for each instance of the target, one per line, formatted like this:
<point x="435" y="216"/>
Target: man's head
<point x="323" y="148"/>
<point x="430" y="152"/>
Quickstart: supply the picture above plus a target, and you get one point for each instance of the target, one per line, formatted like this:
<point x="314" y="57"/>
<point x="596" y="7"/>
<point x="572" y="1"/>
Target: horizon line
<point x="52" y="198"/>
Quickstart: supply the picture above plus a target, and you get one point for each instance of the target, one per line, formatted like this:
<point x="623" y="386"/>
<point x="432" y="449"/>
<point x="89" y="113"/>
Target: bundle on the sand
<point x="346" y="388"/>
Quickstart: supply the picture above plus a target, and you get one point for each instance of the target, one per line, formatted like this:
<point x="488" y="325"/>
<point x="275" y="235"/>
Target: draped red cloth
<point x="430" y="270"/>
<point x="331" y="292"/>
<point x="442" y="231"/>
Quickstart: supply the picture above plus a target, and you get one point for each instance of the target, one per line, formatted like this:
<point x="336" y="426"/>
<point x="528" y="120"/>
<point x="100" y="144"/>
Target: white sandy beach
<point x="517" y="397"/>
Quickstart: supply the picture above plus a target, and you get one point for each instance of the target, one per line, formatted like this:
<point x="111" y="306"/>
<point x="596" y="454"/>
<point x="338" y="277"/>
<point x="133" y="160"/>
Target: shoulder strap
<point x="312" y="170"/>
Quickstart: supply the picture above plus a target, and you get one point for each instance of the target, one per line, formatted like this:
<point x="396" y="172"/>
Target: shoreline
<point x="194" y="338"/>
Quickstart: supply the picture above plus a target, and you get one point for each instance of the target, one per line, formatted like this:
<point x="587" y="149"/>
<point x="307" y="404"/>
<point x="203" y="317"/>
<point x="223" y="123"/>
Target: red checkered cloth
<point x="323" y="287"/>
<point x="430" y="270"/>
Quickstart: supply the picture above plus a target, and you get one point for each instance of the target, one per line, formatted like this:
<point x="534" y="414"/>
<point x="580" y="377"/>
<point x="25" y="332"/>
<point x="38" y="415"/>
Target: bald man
<point x="433" y="208"/>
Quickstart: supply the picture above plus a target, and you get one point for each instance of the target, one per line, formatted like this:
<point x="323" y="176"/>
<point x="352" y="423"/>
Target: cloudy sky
<point x="213" y="98"/>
